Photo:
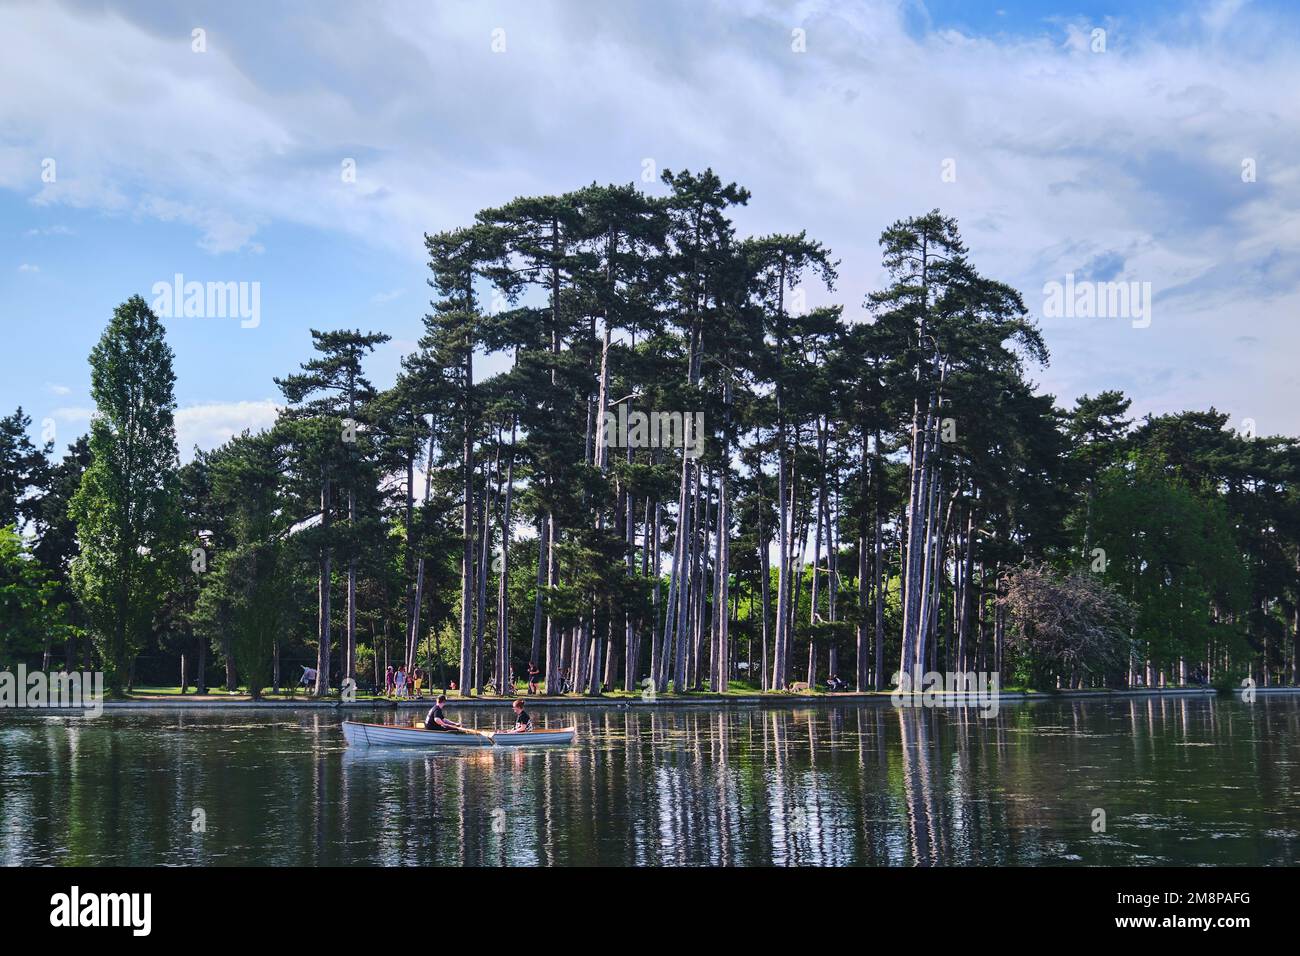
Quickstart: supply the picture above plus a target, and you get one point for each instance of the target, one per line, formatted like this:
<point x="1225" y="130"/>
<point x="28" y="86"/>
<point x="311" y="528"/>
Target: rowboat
<point x="390" y="735"/>
<point x="551" y="735"/>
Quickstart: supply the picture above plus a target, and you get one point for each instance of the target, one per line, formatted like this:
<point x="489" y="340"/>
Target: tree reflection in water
<point x="1182" y="780"/>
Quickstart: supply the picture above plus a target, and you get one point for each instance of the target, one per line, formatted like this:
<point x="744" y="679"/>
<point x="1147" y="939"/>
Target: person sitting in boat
<point x="523" y="723"/>
<point x="437" y="720"/>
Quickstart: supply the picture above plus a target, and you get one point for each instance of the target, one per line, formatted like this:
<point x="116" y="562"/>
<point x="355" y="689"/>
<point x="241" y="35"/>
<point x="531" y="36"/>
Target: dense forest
<point x="860" y="498"/>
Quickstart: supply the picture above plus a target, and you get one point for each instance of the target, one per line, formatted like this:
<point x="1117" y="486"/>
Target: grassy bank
<point x="737" y="694"/>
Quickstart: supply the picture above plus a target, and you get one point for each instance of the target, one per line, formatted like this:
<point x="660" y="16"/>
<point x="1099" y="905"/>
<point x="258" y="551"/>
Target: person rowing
<point x="437" y="720"/>
<point x="523" y="723"/>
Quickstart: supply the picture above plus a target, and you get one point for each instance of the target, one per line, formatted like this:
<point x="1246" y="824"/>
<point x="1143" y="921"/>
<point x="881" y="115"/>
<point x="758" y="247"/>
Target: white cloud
<point x="55" y="389"/>
<point x="72" y="413"/>
<point x="210" y="424"/>
<point x="28" y="267"/>
<point x="1062" y="155"/>
<point x="204" y="424"/>
<point x="220" y="231"/>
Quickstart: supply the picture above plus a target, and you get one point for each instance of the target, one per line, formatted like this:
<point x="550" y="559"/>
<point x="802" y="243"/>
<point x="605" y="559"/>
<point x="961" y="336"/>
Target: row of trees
<point x="867" y="497"/>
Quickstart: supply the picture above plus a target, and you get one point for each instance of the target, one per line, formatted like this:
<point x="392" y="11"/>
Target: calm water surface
<point x="1180" y="780"/>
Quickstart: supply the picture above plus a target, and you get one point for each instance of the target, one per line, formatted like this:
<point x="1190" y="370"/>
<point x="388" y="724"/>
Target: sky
<point x="303" y="149"/>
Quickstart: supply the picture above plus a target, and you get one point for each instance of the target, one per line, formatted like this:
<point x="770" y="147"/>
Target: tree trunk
<point x="227" y="651"/>
<point x="721" y="670"/>
<point x="467" y="534"/>
<point x="484" y="565"/>
<point x="323" y="596"/>
<point x="201" y="673"/>
<point x="781" y="651"/>
<point x="861" y="662"/>
<point x="689" y="511"/>
<point x="675" y="591"/>
<point x="503" y="596"/>
<point x="350" y="654"/>
<point x="553" y="635"/>
<point x="413" y="624"/>
<point x="765" y="568"/>
<point x="543" y="530"/>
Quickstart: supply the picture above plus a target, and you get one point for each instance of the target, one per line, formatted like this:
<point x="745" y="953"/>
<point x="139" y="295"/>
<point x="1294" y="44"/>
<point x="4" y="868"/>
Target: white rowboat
<point x="557" y="735"/>
<point x="390" y="735"/>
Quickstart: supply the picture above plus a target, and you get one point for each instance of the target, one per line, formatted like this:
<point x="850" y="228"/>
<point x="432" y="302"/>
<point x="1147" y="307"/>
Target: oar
<point x="470" y="731"/>
<point x="459" y="730"/>
<point x="421" y="725"/>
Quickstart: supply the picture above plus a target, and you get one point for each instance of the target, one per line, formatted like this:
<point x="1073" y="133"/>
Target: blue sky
<point x="225" y="165"/>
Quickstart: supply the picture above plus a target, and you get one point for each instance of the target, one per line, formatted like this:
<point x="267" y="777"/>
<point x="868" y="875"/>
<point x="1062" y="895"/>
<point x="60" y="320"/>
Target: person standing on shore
<point x="388" y="681"/>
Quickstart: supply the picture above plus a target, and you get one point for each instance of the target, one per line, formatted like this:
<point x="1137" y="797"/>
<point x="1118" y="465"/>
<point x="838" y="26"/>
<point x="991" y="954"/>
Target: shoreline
<point x="707" y="701"/>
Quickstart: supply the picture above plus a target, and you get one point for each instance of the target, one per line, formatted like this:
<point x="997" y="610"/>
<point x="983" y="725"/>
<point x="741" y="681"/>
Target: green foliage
<point x="29" y="612"/>
<point x="1170" y="552"/>
<point x="127" y="507"/>
<point x="608" y="297"/>
<point x="22" y="470"/>
<point x="327" y="438"/>
<point x="245" y="592"/>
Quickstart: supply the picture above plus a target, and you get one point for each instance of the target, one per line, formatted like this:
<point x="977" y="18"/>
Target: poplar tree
<point x="127" y="508"/>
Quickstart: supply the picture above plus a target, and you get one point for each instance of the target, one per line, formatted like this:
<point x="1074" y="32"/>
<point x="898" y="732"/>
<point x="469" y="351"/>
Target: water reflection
<point x="1181" y="780"/>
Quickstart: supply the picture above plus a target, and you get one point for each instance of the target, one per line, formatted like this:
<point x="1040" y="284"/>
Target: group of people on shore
<point x="400" y="683"/>
<point x="409" y="686"/>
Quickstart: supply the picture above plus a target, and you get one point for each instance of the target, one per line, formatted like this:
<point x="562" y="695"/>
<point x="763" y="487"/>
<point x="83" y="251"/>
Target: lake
<point x="1180" y="781"/>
